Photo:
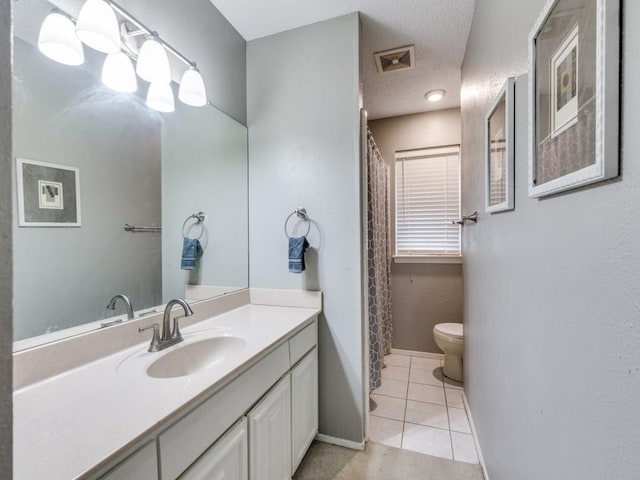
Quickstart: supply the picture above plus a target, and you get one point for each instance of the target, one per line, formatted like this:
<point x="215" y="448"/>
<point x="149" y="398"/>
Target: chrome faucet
<point x="112" y="306"/>
<point x="125" y="300"/>
<point x="168" y="337"/>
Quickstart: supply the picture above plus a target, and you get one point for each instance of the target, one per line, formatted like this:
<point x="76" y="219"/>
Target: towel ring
<point x="199" y="217"/>
<point x="302" y="214"/>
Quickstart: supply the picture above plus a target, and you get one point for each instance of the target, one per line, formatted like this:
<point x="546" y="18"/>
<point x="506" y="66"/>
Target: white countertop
<point x="69" y="425"/>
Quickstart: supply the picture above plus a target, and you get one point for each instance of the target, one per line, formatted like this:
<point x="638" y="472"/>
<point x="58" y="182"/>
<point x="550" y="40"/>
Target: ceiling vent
<point x="397" y="59"/>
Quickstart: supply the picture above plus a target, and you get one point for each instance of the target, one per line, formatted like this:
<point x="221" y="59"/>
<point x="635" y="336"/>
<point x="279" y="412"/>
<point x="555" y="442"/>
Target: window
<point x="428" y="201"/>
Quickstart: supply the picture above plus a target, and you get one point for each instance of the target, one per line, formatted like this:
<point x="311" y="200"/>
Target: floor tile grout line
<point x="446" y="401"/>
<point x="406" y="398"/>
<point x="430" y="426"/>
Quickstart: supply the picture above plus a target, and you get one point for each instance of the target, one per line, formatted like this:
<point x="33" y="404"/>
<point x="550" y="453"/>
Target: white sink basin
<point x="210" y="350"/>
<point x="189" y="358"/>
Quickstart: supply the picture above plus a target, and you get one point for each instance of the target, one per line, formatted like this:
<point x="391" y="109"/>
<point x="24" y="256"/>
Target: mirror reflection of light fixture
<point x="160" y="97"/>
<point x="153" y="64"/>
<point x="434" y="95"/>
<point x="97" y="26"/>
<point x="118" y="73"/>
<point x="192" y="91"/>
<point x="58" y="41"/>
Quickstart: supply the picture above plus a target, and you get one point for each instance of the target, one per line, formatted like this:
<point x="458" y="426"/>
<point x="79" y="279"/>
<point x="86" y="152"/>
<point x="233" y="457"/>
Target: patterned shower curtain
<point x="379" y="262"/>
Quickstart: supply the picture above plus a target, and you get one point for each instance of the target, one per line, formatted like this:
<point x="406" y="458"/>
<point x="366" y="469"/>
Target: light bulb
<point x="58" y="41"/>
<point x="97" y="26"/>
<point x="160" y="97"/>
<point x="153" y="64"/>
<point x="192" y="91"/>
<point x="118" y="73"/>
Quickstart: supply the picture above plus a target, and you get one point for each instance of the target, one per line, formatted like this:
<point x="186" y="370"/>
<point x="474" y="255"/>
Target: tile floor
<point x="419" y="409"/>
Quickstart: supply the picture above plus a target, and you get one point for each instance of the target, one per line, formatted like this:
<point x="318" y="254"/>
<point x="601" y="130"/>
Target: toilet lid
<point x="450" y="329"/>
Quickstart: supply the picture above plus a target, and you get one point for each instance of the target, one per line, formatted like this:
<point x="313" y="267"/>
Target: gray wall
<point x="6" y="282"/>
<point x="422" y="294"/>
<point x="303" y="90"/>
<point x="552" y="289"/>
<point x="64" y="115"/>
<point x="204" y="168"/>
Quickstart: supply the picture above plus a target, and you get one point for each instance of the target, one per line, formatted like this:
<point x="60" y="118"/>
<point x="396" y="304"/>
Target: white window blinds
<point x="428" y="201"/>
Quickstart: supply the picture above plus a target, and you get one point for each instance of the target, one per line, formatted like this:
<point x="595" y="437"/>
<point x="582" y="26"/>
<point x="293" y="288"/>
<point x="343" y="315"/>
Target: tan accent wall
<point x="422" y="294"/>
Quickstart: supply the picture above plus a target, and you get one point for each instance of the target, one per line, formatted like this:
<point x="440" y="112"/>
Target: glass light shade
<point x="160" y="97"/>
<point x="434" y="95"/>
<point x="153" y="64"/>
<point x="192" y="91"/>
<point x="97" y="26"/>
<point x="118" y="73"/>
<point x="58" y="41"/>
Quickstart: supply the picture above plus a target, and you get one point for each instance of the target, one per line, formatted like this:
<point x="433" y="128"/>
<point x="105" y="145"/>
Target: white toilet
<point x="449" y="337"/>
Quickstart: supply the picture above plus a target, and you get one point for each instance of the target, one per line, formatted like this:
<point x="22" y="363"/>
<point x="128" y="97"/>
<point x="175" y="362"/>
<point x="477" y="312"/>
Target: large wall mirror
<point x="88" y="162"/>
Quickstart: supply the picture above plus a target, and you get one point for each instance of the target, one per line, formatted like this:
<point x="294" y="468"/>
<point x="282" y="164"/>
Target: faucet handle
<point x="155" y="340"/>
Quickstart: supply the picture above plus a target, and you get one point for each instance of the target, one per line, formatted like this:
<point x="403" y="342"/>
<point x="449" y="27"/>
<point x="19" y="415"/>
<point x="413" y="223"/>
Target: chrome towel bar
<point x="134" y="229"/>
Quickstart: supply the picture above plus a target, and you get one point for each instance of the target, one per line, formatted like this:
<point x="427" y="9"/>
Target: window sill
<point x="427" y="259"/>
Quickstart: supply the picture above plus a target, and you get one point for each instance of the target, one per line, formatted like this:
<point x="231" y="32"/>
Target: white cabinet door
<point x="142" y="465"/>
<point x="270" y="435"/>
<point x="226" y="459"/>
<point x="304" y="407"/>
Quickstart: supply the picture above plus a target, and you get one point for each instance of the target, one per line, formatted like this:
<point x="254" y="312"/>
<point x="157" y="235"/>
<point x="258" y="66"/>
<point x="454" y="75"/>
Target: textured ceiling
<point x="438" y="28"/>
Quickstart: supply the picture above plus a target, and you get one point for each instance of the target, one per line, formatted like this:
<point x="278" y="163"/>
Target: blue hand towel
<point x="191" y="250"/>
<point x="297" y="246"/>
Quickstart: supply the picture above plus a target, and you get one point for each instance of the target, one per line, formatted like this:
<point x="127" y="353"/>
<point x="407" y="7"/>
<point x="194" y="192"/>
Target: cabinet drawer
<point x="303" y="342"/>
<point x="186" y="440"/>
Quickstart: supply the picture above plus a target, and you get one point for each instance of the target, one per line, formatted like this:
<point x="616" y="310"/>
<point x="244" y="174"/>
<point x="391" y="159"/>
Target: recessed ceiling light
<point x="434" y="95"/>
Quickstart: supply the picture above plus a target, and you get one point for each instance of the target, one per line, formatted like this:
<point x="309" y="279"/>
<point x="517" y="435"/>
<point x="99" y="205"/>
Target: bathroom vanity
<point x="237" y="399"/>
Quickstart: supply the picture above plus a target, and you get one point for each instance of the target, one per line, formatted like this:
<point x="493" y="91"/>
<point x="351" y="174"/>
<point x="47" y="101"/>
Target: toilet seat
<point x="453" y="330"/>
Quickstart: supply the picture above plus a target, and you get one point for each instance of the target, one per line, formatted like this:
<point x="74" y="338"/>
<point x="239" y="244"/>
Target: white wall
<point x="6" y="282"/>
<point x="303" y="112"/>
<point x="552" y="289"/>
<point x="422" y="294"/>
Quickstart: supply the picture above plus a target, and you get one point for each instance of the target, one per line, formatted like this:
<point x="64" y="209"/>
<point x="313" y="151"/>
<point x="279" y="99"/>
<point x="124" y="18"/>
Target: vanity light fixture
<point x="192" y="91"/>
<point x="435" y="95"/>
<point x="160" y="97"/>
<point x="58" y="41"/>
<point x="118" y="73"/>
<point x="153" y="64"/>
<point x="97" y="26"/>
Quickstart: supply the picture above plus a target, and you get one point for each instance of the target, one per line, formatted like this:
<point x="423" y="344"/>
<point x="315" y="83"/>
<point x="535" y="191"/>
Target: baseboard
<point x="475" y="436"/>
<point x="413" y="353"/>
<point x="341" y="442"/>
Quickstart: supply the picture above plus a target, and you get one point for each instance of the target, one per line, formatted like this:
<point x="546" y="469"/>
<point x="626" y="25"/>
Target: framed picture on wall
<point x="573" y="95"/>
<point x="48" y="194"/>
<point x="499" y="151"/>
